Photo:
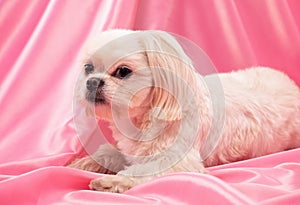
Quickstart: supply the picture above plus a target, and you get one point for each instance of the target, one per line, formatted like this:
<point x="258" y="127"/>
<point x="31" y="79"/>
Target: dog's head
<point x="140" y="75"/>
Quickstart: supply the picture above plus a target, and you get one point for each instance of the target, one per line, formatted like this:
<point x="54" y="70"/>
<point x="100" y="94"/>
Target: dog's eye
<point x="122" y="72"/>
<point x="89" y="68"/>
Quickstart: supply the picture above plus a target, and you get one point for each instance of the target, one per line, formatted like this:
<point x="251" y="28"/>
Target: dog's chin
<point x="98" y="106"/>
<point x="95" y="98"/>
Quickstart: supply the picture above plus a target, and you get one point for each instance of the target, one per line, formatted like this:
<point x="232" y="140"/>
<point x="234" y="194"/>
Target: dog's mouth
<point x="96" y="97"/>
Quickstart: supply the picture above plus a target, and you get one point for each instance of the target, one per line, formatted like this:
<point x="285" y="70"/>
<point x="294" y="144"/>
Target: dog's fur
<point x="170" y="111"/>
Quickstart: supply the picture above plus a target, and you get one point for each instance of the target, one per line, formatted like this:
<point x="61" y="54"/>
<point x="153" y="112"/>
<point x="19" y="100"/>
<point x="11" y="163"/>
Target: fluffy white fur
<point x="162" y="115"/>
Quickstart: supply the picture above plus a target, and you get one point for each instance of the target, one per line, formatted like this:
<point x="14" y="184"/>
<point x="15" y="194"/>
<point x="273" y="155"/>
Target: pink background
<point x="39" y="46"/>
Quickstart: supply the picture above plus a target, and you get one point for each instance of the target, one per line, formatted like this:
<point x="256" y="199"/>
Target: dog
<point x="164" y="117"/>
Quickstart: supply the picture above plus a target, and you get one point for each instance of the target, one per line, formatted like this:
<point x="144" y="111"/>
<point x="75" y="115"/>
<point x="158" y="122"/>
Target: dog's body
<point x="261" y="112"/>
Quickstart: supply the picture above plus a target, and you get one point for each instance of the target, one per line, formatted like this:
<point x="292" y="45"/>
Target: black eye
<point x="89" y="68"/>
<point x="122" y="72"/>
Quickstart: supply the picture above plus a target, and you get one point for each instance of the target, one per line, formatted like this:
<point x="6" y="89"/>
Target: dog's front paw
<point x="113" y="183"/>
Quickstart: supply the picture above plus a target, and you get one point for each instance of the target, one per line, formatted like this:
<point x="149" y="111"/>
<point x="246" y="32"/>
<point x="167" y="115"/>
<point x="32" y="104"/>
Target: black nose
<point x="93" y="84"/>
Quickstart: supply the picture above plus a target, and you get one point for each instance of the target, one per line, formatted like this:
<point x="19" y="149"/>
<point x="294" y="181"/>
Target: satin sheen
<point x="40" y="42"/>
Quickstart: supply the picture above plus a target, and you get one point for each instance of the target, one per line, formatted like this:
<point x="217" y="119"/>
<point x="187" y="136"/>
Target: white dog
<point x="164" y="118"/>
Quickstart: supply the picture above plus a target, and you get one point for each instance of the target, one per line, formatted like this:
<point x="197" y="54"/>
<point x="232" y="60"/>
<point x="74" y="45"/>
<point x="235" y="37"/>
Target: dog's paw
<point x="113" y="183"/>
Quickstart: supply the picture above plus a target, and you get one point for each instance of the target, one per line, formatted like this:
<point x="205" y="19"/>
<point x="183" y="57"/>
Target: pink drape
<point x="39" y="45"/>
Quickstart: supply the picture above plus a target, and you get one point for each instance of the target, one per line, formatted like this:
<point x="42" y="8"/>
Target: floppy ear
<point x="172" y="72"/>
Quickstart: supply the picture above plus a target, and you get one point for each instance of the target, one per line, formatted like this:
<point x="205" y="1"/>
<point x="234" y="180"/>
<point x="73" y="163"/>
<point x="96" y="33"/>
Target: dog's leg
<point x="89" y="164"/>
<point x="140" y="173"/>
<point x="106" y="160"/>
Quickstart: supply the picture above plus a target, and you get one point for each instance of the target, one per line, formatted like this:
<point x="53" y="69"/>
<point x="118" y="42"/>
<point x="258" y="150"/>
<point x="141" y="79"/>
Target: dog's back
<point x="262" y="108"/>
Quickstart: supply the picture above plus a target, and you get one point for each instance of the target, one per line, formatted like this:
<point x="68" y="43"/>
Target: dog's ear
<point x="172" y="72"/>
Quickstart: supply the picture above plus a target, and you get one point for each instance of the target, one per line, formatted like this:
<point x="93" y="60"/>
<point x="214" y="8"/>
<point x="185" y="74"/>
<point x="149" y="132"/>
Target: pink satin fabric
<point x="39" y="46"/>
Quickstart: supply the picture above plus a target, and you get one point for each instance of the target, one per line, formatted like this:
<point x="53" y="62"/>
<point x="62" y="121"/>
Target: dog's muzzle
<point x="94" y="92"/>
